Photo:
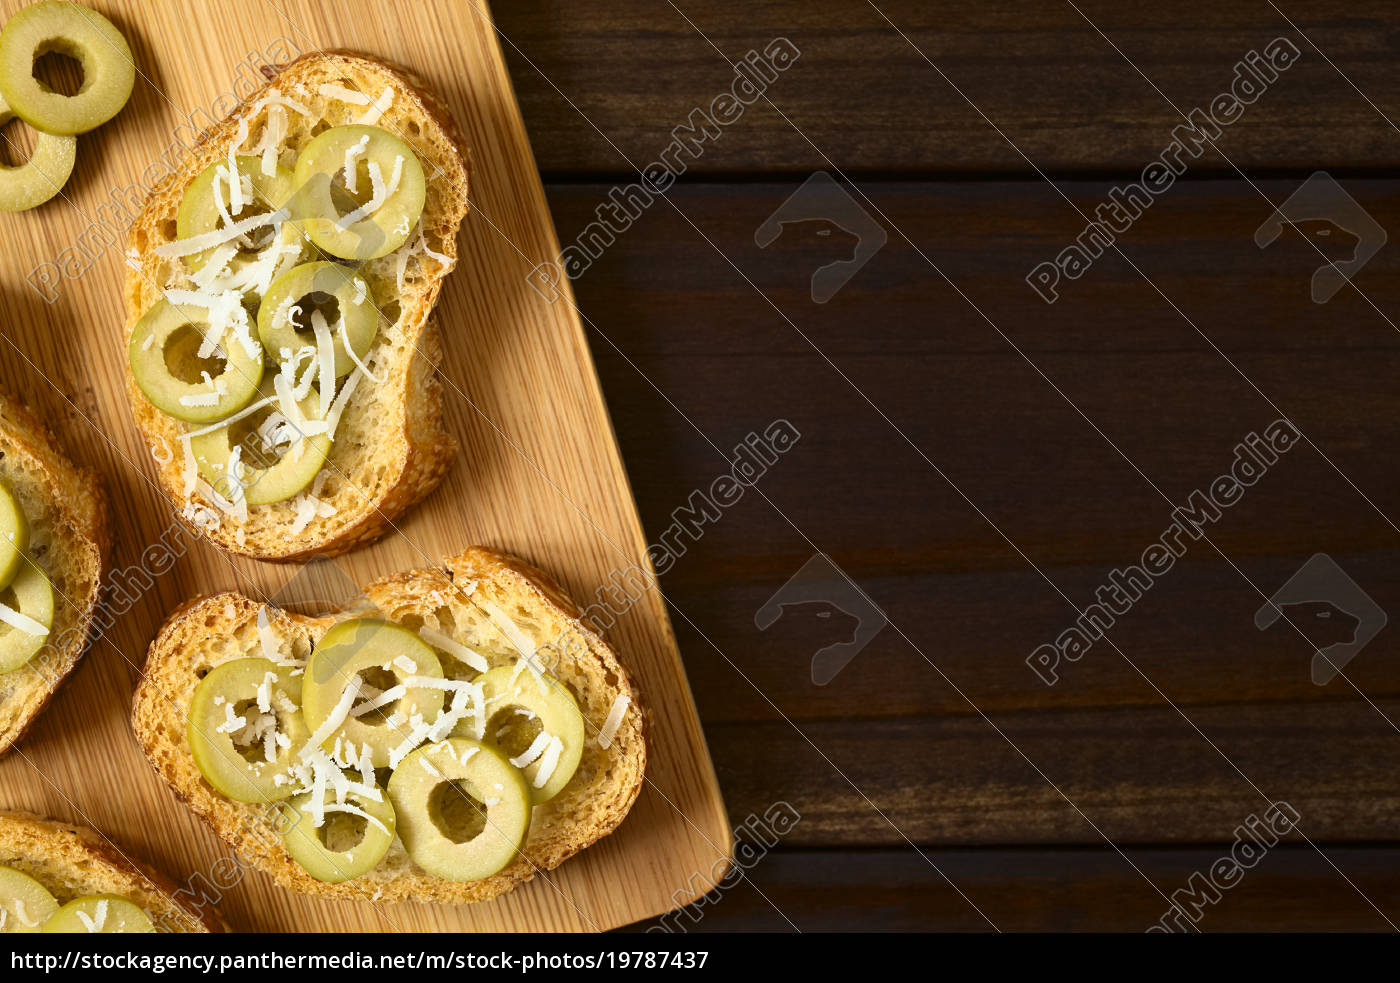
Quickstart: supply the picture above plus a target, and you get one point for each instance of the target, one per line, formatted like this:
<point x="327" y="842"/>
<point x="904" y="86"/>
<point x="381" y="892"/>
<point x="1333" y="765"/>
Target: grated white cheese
<point x="94" y="923"/>
<point x="377" y="109"/>
<point x="350" y="350"/>
<point x="208" y="240"/>
<point x="264" y="692"/>
<point x="382" y="192"/>
<point x="468" y="657"/>
<point x="21" y="622"/>
<point x="325" y="358"/>
<point x="418" y="732"/>
<point x="337" y="716"/>
<point x="308" y="506"/>
<point x="355" y="811"/>
<point x="218" y="389"/>
<point x="614" y="719"/>
<point x="536" y="748"/>
<point x="230" y="420"/>
<point x="352" y="172"/>
<point x="232" y="722"/>
<point x="343" y="94"/>
<point x="273" y="134"/>
<point x="549" y="762"/>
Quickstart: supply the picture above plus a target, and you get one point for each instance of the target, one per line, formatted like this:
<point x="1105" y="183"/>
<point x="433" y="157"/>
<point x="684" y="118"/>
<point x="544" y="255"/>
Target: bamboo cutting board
<point x="539" y="473"/>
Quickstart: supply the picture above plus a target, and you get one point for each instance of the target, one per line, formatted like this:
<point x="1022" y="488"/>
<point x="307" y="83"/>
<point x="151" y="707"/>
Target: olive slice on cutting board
<point x="77" y="32"/>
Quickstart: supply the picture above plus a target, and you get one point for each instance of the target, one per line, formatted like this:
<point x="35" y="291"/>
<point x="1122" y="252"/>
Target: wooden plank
<point x="726" y="362"/>
<point x="1139" y="774"/>
<point x="539" y="473"/>
<point x="1291" y="889"/>
<point x="683" y="320"/>
<point x="871" y="102"/>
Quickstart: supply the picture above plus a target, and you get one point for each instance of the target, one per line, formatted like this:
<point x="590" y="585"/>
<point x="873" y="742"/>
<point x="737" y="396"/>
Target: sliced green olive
<point x="14" y="536"/>
<point x="165" y="361"/>
<point x="348" y="843"/>
<point x="235" y="742"/>
<point x="70" y="29"/>
<point x="107" y="914"/>
<point x="384" y="657"/>
<point x="25" y="904"/>
<point x="536" y="723"/>
<point x="42" y="176"/>
<point x="277" y="459"/>
<point x="343" y="208"/>
<point x="266" y="252"/>
<point x="25" y="624"/>
<point x="463" y="811"/>
<point x="327" y="291"/>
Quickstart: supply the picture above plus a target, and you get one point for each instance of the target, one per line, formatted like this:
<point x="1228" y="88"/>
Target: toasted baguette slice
<point x="72" y="861"/>
<point x="448" y="599"/>
<point x="390" y="449"/>
<point x="68" y="538"/>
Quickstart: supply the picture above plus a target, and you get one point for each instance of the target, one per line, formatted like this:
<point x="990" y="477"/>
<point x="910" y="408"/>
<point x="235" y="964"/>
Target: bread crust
<point x="591" y="806"/>
<point x="418" y="451"/>
<point x="72" y="861"/>
<point x="32" y="459"/>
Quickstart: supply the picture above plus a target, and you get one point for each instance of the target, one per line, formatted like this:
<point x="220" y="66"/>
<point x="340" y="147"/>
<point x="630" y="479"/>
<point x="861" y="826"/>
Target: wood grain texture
<point x="870" y="102"/>
<point x="712" y="364"/>
<point x="539" y="474"/>
<point x="1043" y="890"/>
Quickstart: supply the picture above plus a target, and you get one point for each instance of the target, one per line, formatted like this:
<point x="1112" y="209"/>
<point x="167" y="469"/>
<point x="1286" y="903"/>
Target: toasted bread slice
<point x="68" y="538"/>
<point x="450" y="600"/>
<point x="72" y="861"/>
<point x="390" y="449"/>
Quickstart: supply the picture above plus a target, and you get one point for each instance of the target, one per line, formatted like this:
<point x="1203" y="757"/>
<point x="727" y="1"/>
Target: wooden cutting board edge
<point x="639" y="541"/>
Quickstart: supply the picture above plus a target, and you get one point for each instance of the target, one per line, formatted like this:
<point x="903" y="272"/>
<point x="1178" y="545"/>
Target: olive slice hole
<point x="456" y="812"/>
<point x="17" y="142"/>
<point x="313" y="303"/>
<point x="262" y="439"/>
<point x="182" y="356"/>
<point x="345" y="200"/>
<point x="253" y="753"/>
<point x="513" y="732"/>
<point x="59" y="68"/>
<point x="380" y="680"/>
<point x="251" y="243"/>
<point x="342" y="831"/>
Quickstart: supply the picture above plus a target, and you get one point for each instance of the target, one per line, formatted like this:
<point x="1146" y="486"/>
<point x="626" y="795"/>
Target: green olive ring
<point x="42" y="176"/>
<point x="109" y="73"/>
<point x="161" y="335"/>
<point x="328" y="282"/>
<point x="199" y="213"/>
<point x="318" y="202"/>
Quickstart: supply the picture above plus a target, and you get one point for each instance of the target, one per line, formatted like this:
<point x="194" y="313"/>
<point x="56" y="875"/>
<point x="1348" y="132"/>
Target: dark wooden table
<point x="980" y="461"/>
